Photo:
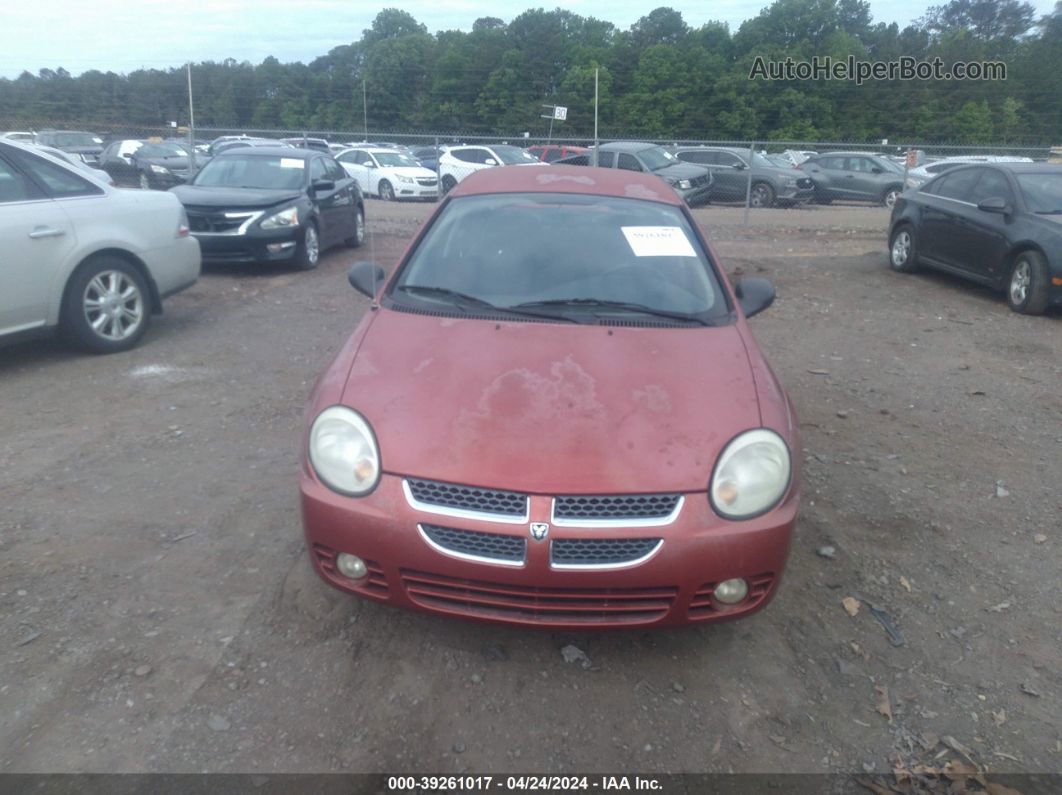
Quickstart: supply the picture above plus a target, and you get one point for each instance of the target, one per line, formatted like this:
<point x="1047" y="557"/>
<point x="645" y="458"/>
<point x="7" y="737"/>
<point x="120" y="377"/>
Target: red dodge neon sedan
<point x="554" y="414"/>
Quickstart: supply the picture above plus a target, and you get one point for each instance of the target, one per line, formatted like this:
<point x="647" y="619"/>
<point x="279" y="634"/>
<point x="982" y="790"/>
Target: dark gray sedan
<point x="771" y="184"/>
<point x="692" y="183"/>
<point x="858" y="176"/>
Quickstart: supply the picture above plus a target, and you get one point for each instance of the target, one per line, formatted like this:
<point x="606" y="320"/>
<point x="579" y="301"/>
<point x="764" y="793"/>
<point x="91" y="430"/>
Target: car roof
<point x="567" y="179"/>
<point x="276" y="151"/>
<point x="1025" y="168"/>
<point x="626" y="146"/>
<point x="847" y="154"/>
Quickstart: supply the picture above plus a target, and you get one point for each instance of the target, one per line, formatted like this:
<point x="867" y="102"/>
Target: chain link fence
<point x="754" y="174"/>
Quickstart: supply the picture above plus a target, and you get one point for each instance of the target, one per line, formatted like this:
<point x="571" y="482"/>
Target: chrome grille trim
<point x="634" y="521"/>
<point x="466" y="556"/>
<point x="603" y="566"/>
<point x="461" y="513"/>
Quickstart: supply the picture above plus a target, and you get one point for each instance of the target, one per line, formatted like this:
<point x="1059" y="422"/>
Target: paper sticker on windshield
<point x="290" y="162"/>
<point x="658" y="241"/>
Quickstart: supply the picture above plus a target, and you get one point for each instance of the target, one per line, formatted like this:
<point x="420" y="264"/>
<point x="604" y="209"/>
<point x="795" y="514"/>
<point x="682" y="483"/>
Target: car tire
<point x="890" y="195"/>
<point x="903" y="253"/>
<point x="359" y="229"/>
<point x="308" y="252"/>
<point x="1027" y="287"/>
<point x="385" y="191"/>
<point x="761" y="195"/>
<point x="106" y="306"/>
<point x="145" y="181"/>
<point x="448" y="184"/>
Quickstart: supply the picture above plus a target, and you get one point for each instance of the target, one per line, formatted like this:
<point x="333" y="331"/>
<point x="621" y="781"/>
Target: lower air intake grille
<point x="617" y="507"/>
<point x="468" y="498"/>
<point x="535" y="605"/>
<point x="374" y="584"/>
<point x="702" y="605"/>
<point x="490" y="546"/>
<point x="600" y="551"/>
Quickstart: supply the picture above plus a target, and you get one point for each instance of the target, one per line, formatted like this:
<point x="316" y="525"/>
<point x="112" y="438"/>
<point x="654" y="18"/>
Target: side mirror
<point x="877" y="170"/>
<point x="490" y="161"/>
<point x="994" y="204"/>
<point x="370" y="165"/>
<point x="739" y="166"/>
<point x="366" y="278"/>
<point x="754" y="295"/>
<point x="322" y="184"/>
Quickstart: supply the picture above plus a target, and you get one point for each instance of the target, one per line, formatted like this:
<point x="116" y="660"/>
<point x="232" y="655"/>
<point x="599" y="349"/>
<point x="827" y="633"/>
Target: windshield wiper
<point x="625" y="306"/>
<point x="464" y="301"/>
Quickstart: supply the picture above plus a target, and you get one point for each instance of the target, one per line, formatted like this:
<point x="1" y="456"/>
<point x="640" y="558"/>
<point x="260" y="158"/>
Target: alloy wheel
<point x="1019" y="282"/>
<point x="145" y="183"/>
<point x="901" y="248"/>
<point x="313" y="247"/>
<point x="113" y="305"/>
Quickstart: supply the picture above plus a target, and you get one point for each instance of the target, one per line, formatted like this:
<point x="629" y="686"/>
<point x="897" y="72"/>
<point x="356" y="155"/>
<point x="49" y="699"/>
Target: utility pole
<point x="191" y="123"/>
<point x="364" y="110"/>
<point x="594" y="163"/>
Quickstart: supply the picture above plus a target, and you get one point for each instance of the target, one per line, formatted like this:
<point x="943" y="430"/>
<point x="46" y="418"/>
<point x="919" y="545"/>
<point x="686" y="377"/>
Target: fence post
<point x="748" y="185"/>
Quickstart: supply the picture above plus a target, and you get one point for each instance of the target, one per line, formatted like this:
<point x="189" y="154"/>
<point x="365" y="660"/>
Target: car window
<point x="395" y="160"/>
<point x="695" y="156"/>
<point x="245" y="170"/>
<point x="629" y="162"/>
<point x="958" y="184"/>
<point x="14" y="187"/>
<point x="318" y="170"/>
<point x="470" y="155"/>
<point x="729" y="159"/>
<point x="1042" y="192"/>
<point x="596" y="247"/>
<point x="334" y="171"/>
<point x="832" y="163"/>
<point x="991" y="185"/>
<point x="110" y="151"/>
<point x="606" y="159"/>
<point x="347" y="157"/>
<point x="940" y="167"/>
<point x="512" y="156"/>
<point x="861" y="164"/>
<point x="552" y="155"/>
<point x="58" y="182"/>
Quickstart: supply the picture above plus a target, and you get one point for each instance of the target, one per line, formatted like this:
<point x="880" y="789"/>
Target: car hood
<point x="552" y="408"/>
<point x="232" y="197"/>
<point x="681" y="171"/>
<point x="179" y="163"/>
<point x="81" y="150"/>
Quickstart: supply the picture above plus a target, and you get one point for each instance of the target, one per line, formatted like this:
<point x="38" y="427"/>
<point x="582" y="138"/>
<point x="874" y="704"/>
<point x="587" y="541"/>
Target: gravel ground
<point x="158" y="613"/>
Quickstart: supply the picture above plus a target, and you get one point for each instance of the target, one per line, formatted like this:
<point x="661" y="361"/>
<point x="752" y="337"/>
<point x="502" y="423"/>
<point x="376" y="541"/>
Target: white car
<point x="389" y="174"/>
<point x="916" y="177"/>
<point x="98" y="173"/>
<point x="85" y="259"/>
<point x="458" y="162"/>
<point x="22" y="137"/>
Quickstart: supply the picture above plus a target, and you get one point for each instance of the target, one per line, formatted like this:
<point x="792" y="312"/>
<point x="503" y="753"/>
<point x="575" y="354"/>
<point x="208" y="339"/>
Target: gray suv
<point x="771" y="184"/>
<point x="692" y="183"/>
<point x="854" y="176"/>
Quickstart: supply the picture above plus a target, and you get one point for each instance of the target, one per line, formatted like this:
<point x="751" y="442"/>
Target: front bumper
<point x="256" y="245"/>
<point x="404" y="190"/>
<point x="795" y="195"/>
<point x="696" y="196"/>
<point x="673" y="586"/>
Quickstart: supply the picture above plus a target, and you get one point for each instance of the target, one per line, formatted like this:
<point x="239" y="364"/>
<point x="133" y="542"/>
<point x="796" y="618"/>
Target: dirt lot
<point x="157" y="611"/>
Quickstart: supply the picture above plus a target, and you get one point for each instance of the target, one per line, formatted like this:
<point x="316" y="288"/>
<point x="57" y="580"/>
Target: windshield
<point x="161" y="150"/>
<point x="266" y="172"/>
<point x="760" y="161"/>
<point x="394" y="159"/>
<point x="889" y="165"/>
<point x="74" y="139"/>
<point x="656" y="158"/>
<point x="581" y="247"/>
<point x="512" y="156"/>
<point x="1042" y="192"/>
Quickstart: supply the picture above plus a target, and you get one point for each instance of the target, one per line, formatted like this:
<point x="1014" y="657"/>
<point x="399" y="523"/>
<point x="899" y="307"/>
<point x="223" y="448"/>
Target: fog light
<point x="730" y="592"/>
<point x="354" y="567"/>
<point x="277" y="248"/>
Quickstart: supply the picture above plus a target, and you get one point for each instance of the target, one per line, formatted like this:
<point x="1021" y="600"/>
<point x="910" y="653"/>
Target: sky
<point x="125" y="35"/>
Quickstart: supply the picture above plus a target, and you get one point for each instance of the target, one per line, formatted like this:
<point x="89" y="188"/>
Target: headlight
<point x="790" y="182"/>
<point x="751" y="475"/>
<point x="343" y="451"/>
<point x="285" y="218"/>
<point x="683" y="184"/>
<point x="159" y="169"/>
<point x="400" y="178"/>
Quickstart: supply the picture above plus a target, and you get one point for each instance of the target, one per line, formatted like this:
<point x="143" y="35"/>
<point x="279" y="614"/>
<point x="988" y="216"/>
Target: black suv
<point x="85" y="146"/>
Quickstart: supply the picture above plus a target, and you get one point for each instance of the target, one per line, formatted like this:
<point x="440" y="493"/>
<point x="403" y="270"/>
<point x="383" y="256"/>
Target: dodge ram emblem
<point x="539" y="530"/>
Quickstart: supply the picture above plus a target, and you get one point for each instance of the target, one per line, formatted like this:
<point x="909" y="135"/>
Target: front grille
<point x="375" y="583"/>
<point x="213" y="221"/>
<point x="468" y="498"/>
<point x="600" y="551"/>
<point x="615" y="507"/>
<point x="490" y="546"/>
<point x="427" y="182"/>
<point x="702" y="605"/>
<point x="535" y="605"/>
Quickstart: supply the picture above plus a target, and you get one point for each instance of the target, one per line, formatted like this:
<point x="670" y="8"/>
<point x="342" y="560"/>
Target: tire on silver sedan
<point x="106" y="306"/>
